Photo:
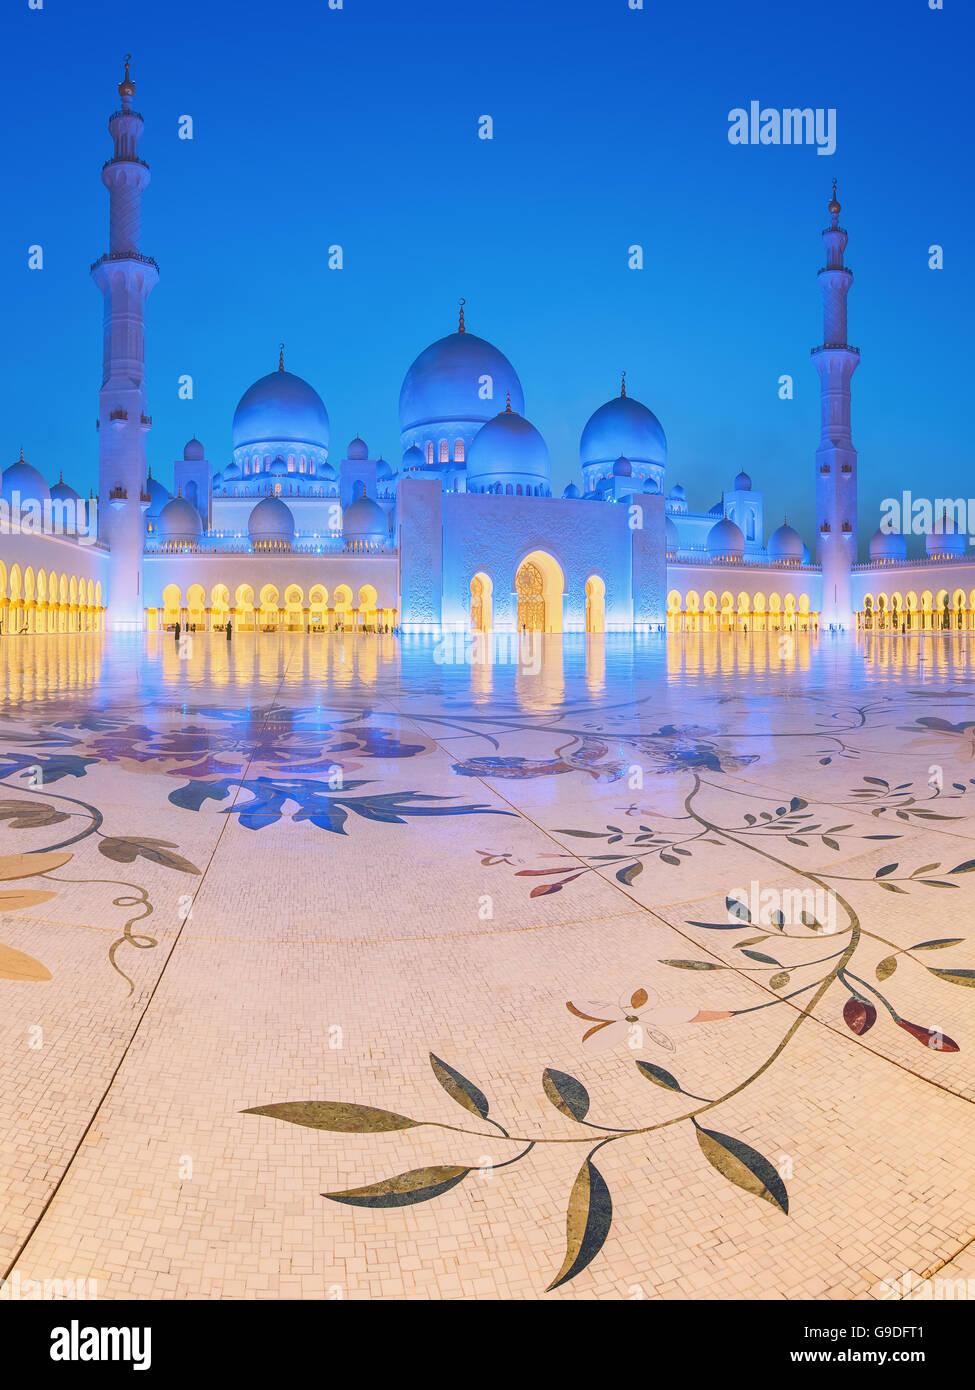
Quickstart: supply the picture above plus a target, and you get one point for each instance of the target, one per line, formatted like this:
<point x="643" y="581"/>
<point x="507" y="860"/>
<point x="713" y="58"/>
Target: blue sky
<point x="359" y="127"/>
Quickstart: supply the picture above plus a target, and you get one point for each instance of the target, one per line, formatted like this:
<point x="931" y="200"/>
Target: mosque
<point x="462" y="533"/>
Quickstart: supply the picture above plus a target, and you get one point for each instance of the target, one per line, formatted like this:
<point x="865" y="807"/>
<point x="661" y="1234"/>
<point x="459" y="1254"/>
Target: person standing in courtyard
<point x="228" y="629"/>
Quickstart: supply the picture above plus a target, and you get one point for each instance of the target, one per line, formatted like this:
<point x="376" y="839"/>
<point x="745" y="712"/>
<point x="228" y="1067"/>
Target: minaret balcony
<point x="124" y="256"/>
<point x="847" y="528"/>
<point x="834" y="347"/>
<point x="145" y="421"/>
<point x="118" y="418"/>
<point x="125" y="159"/>
<point x="145" y="501"/>
<point x="117" y="498"/>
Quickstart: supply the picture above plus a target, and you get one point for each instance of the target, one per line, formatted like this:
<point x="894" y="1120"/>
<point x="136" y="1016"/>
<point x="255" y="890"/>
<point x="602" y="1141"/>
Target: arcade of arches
<point x="928" y="612"/>
<point x="710" y="612"/>
<point x="46" y="602"/>
<point x="270" y="609"/>
<point x="539" y="594"/>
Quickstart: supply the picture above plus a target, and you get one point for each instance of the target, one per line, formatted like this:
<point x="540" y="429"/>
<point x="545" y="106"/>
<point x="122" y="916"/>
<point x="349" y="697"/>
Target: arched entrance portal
<point x="482" y="602"/>
<point x="539" y="586"/>
<point x="595" y="604"/>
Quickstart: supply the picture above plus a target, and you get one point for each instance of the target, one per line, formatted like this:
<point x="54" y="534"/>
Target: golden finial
<point x="623" y="389"/>
<point x="126" y="87"/>
<point x="461" y="328"/>
<point x="507" y="409"/>
<point x="834" y="205"/>
<point x="281" y="357"/>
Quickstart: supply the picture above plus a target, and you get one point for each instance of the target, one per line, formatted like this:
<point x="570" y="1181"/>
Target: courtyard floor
<point x="641" y="967"/>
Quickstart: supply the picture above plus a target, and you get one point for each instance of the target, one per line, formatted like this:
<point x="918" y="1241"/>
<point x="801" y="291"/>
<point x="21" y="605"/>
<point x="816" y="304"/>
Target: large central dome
<point x="280" y="408"/>
<point x="446" y="391"/>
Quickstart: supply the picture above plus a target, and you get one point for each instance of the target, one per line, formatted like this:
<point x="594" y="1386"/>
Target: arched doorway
<point x="595" y="604"/>
<point x="482" y="602"/>
<point x="539" y="586"/>
<point x="343" y="607"/>
<point x="244" y="607"/>
<point x="367" y="607"/>
<point x="269" y="608"/>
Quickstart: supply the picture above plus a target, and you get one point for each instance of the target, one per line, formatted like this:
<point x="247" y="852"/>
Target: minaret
<point x="836" y="459"/>
<point x="125" y="276"/>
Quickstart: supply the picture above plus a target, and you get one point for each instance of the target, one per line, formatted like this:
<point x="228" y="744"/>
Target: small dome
<point x="231" y="474"/>
<point x="63" y="492"/>
<point x="365" y="520"/>
<point x="785" y="544"/>
<point x="508" y="449"/>
<point x="278" y="407"/>
<point x="271" y="524"/>
<point x="326" y="471"/>
<point x="676" y="500"/>
<point x="278" y="468"/>
<point x="622" y="468"/>
<point x="217" y="479"/>
<point x="623" y="426"/>
<point x="180" y="521"/>
<point x="806" y="557"/>
<point x="670" y="531"/>
<point x="742" y="482"/>
<point x="945" y="539"/>
<point x="726" y="539"/>
<point x="193" y="450"/>
<point x="357" y="450"/>
<point x="158" y="496"/>
<point x="413" y="459"/>
<point x="571" y="491"/>
<point x="21" y="478"/>
<point x="383" y="471"/>
<point x="888" y="545"/>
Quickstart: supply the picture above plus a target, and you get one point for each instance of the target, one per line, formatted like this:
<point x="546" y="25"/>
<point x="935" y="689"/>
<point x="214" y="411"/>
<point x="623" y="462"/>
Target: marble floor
<point x="615" y="968"/>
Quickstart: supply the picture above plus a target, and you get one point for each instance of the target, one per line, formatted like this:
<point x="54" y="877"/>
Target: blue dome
<point x="622" y="468"/>
<point x="21" y="478"/>
<point x="365" y="520"/>
<point x="281" y="407"/>
<point x="180" y="521"/>
<point x="623" y="427"/>
<point x="278" y="468"/>
<point x="571" y="491"/>
<point x="63" y="492"/>
<point x="357" y="450"/>
<point x="508" y="450"/>
<point x="742" y="482"/>
<point x="413" y="459"/>
<point x="945" y="539"/>
<point x="443" y="384"/>
<point x="726" y="539"/>
<point x="193" y="450"/>
<point x="888" y="545"/>
<point x="383" y="470"/>
<point x="271" y="522"/>
<point x="232" y="473"/>
<point x="785" y="543"/>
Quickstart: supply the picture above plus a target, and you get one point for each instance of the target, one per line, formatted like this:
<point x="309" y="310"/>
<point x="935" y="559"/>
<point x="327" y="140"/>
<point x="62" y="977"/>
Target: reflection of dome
<point x="623" y="426"/>
<point x="785" y="544"/>
<point x="670" y="531"/>
<point x="571" y="491"/>
<point x="945" y="539"/>
<point x="271" y="525"/>
<point x="742" y="482"/>
<point x="365" y="520"/>
<point x="622" y="468"/>
<point x="180" y="521"/>
<point x="280" y="407"/>
<point x="444" y="384"/>
<point x="413" y="459"/>
<point x="63" y="492"/>
<point x="21" y="478"/>
<point x="508" y="452"/>
<point x="726" y="539"/>
<point x="193" y="450"/>
<point x="888" y="545"/>
<point x="357" y="450"/>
